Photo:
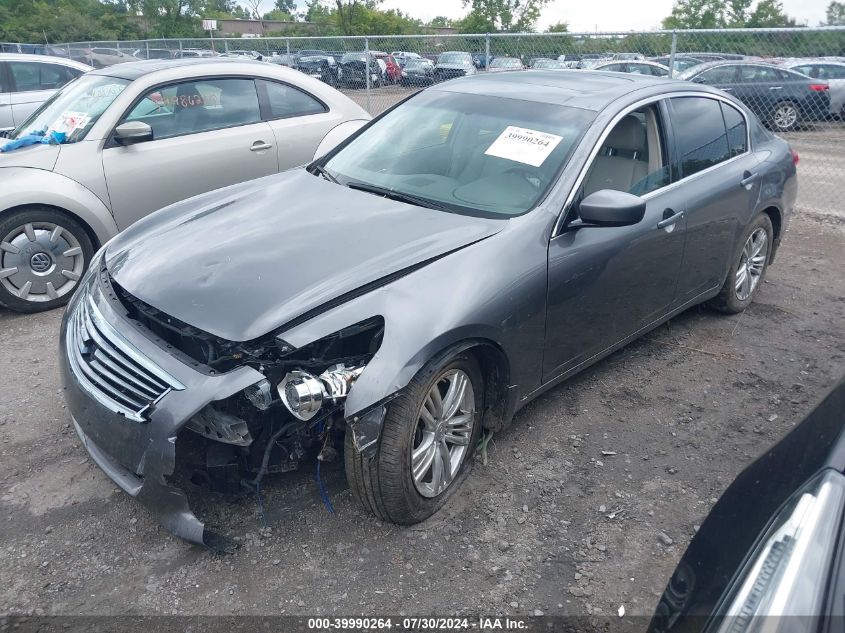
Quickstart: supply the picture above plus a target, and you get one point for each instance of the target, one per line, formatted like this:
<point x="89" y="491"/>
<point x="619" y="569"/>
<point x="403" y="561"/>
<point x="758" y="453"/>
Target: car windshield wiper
<point x="397" y="195"/>
<point x="319" y="169"/>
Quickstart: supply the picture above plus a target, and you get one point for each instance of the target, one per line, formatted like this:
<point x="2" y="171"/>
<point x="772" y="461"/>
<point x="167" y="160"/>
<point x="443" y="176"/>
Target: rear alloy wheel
<point x="427" y="443"/>
<point x="785" y="116"/>
<point x="748" y="269"/>
<point x="43" y="254"/>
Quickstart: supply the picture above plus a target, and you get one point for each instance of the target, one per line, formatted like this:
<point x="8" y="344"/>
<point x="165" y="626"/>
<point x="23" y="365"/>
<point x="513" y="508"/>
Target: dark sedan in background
<point x="318" y="64"/>
<point x="448" y="263"/>
<point x="782" y="98"/>
<point x="417" y="72"/>
<point x="770" y="555"/>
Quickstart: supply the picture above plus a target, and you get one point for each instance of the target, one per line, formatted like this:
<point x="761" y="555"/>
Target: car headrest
<point x="628" y="134"/>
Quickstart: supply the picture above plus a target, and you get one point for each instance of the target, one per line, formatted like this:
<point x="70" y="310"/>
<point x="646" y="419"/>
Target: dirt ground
<point x="565" y="517"/>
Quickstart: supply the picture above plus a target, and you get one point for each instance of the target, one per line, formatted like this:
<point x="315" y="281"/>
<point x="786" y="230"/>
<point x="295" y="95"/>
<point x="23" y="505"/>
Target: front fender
<point x="473" y="294"/>
<point x="26" y="186"/>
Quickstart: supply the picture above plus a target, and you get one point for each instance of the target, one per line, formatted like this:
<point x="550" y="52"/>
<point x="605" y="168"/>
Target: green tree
<point x="558" y="27"/>
<point x="715" y="14"/>
<point x="501" y="15"/>
<point x="287" y="6"/>
<point x="835" y="14"/>
<point x="439" y="21"/>
<point x="277" y="14"/>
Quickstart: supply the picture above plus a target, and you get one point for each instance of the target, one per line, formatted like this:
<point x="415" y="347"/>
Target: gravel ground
<point x="585" y="504"/>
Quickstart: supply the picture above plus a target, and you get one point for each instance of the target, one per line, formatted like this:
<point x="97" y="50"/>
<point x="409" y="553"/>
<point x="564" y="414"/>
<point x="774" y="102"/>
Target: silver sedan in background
<point x="138" y="137"/>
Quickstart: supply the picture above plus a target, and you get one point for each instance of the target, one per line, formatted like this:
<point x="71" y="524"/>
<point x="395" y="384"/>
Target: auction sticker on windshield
<point x="523" y="145"/>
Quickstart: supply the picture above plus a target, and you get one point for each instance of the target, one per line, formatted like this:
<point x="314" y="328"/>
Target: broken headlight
<point x="303" y="393"/>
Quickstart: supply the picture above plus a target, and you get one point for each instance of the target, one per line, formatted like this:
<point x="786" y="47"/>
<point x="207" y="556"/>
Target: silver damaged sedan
<point x="141" y="136"/>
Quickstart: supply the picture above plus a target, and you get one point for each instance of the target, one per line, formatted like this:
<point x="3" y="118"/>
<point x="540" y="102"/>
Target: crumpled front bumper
<point x="139" y="456"/>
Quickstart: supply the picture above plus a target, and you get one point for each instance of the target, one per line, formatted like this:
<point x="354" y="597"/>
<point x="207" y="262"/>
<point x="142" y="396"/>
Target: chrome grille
<point x="110" y="368"/>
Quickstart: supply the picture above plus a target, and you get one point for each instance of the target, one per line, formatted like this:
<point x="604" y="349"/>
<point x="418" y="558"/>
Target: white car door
<point x="33" y="83"/>
<point x="299" y="121"/>
<point x="6" y="120"/>
<point x="207" y="134"/>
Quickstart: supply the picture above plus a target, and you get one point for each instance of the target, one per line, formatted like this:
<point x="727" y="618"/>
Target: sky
<point x="603" y="15"/>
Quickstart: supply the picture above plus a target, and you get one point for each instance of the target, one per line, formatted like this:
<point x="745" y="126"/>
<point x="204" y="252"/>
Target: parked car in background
<point x="418" y="72"/>
<point x="283" y="59"/>
<point x="154" y="53"/>
<point x="640" y="67"/>
<point x="251" y="54"/>
<point x="191" y="53"/>
<point x="549" y="64"/>
<point x="354" y="68"/>
<point x="403" y="57"/>
<point x="832" y="72"/>
<point x="141" y="136"/>
<point x="501" y="64"/>
<point x="627" y="56"/>
<point x="453" y="64"/>
<point x="782" y="98"/>
<point x="588" y="60"/>
<point x="392" y="71"/>
<point x="33" y="49"/>
<point x="480" y="60"/>
<point x="570" y="60"/>
<point x="770" y="552"/>
<point x="103" y="57"/>
<point x="681" y="63"/>
<point x="27" y="81"/>
<point x="562" y="219"/>
<point x="317" y="64"/>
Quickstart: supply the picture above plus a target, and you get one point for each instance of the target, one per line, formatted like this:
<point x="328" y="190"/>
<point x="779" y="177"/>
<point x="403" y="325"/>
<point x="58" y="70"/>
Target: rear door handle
<point x="747" y="179"/>
<point x="260" y="145"/>
<point x="669" y="220"/>
<point x="775" y="87"/>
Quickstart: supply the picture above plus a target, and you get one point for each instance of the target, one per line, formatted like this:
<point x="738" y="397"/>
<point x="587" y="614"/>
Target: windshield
<point x="353" y="57"/>
<point x="454" y="58"/>
<point x="414" y="64"/>
<point x="75" y="108"/>
<point x="465" y="153"/>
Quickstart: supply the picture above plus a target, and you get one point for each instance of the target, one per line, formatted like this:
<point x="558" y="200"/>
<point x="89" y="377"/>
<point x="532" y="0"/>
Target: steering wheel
<point x="535" y="179"/>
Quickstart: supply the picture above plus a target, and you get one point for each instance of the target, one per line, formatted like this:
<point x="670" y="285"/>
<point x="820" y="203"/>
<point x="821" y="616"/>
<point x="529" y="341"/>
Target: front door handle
<point x="260" y="145"/>
<point x="669" y="218"/>
<point x="747" y="178"/>
<point x="775" y="87"/>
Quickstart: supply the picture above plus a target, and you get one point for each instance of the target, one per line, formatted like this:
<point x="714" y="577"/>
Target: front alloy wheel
<point x="427" y="442"/>
<point x="43" y="254"/>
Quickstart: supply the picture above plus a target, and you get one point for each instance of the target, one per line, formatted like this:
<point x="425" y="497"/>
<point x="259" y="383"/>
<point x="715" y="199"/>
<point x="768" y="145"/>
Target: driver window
<point x="632" y="157"/>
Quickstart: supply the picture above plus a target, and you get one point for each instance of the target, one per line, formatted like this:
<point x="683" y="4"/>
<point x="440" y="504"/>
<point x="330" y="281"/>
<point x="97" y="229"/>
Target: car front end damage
<point x="157" y="402"/>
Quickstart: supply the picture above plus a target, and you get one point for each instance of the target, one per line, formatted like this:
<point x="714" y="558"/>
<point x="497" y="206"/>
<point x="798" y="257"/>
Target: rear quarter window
<point x="700" y="137"/>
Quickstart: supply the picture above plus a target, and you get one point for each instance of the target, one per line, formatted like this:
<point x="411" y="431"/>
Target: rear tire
<point x="785" y="116"/>
<point x="752" y="259"/>
<point x="386" y="485"/>
<point x="44" y="254"/>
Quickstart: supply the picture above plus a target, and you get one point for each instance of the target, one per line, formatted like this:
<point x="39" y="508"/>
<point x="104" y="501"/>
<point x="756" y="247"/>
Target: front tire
<point x="427" y="443"/>
<point x="43" y="254"/>
<point x="748" y="269"/>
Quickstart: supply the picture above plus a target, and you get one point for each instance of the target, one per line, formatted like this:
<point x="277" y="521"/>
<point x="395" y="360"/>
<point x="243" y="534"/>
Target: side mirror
<point x="611" y="208"/>
<point x="133" y="132"/>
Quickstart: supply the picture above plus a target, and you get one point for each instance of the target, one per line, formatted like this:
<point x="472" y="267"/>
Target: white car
<point x="637" y="67"/>
<point x="27" y="81"/>
<point x="833" y="72"/>
<point x="141" y="136"/>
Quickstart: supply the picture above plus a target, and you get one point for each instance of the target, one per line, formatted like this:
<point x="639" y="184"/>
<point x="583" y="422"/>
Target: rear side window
<point x="737" y="130"/>
<point x="28" y="76"/>
<point x="700" y="134"/>
<point x="718" y="75"/>
<point x="830" y="72"/>
<point x="286" y="101"/>
<point x="759" y="74"/>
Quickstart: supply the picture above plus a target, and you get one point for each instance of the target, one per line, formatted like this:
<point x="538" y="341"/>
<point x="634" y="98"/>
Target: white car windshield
<point x="75" y="108"/>
<point x="464" y="153"/>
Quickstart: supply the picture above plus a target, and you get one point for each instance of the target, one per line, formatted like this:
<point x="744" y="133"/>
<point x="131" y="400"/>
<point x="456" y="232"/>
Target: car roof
<point x="814" y="60"/>
<point x="587" y="89"/>
<point x="45" y="59"/>
<point x="135" y="70"/>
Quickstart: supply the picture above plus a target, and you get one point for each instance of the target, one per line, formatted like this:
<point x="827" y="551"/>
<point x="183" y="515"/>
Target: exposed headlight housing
<point x="303" y="394"/>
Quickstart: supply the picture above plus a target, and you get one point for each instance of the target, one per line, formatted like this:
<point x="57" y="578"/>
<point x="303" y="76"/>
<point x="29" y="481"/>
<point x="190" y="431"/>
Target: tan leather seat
<point x="621" y="172"/>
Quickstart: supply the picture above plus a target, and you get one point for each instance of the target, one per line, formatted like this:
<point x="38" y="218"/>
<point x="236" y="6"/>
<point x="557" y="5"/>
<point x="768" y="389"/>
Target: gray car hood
<point x="244" y="260"/>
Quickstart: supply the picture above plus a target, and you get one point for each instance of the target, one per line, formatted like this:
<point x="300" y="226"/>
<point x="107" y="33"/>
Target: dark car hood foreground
<point x="244" y="260"/>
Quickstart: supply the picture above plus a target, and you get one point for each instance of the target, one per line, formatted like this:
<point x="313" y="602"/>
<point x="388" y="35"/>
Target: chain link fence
<point x="793" y="79"/>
